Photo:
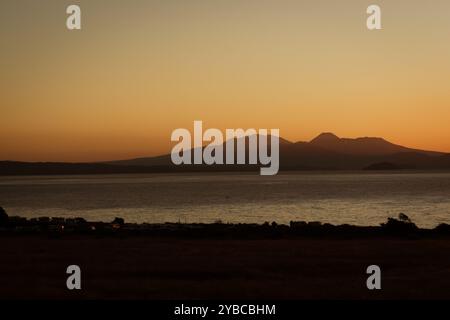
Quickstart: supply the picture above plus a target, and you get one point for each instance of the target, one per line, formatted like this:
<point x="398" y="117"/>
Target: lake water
<point x="354" y="198"/>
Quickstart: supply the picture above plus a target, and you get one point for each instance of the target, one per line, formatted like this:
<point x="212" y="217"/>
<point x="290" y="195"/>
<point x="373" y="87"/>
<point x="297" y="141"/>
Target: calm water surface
<point x="354" y="198"/>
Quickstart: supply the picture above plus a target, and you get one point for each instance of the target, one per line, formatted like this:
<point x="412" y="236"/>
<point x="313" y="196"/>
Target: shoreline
<point x="230" y="172"/>
<point x="57" y="226"/>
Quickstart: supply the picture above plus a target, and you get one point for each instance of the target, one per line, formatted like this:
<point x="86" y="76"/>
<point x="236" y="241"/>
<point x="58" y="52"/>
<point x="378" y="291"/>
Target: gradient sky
<point x="140" y="68"/>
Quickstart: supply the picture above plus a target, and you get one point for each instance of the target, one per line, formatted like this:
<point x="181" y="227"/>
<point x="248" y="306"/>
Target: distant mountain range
<point x="325" y="152"/>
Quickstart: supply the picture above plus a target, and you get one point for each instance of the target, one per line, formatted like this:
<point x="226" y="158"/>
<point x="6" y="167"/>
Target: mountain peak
<point x="325" y="137"/>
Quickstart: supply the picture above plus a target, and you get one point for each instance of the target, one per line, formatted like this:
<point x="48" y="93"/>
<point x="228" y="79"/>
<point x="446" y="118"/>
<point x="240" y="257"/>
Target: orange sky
<point x="140" y="69"/>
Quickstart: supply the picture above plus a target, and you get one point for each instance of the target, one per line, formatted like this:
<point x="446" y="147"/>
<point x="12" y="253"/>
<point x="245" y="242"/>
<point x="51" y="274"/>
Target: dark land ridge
<point x="56" y="226"/>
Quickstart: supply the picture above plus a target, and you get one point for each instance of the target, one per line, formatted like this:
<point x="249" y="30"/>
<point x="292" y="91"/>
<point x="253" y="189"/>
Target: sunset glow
<point x="117" y="88"/>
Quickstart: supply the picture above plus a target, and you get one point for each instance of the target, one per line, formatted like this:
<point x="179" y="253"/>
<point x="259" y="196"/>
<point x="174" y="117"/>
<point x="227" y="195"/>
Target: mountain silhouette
<point x="361" y="146"/>
<point x="328" y="151"/>
<point x="325" y="138"/>
<point x="325" y="152"/>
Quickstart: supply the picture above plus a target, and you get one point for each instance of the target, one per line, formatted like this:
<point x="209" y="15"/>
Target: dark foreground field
<point x="140" y="267"/>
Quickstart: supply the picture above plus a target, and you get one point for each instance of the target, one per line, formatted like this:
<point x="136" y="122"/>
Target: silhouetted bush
<point x="443" y="228"/>
<point x="4" y="218"/>
<point x="119" y="221"/>
<point x="401" y="226"/>
<point x="403" y="217"/>
<point x="81" y="220"/>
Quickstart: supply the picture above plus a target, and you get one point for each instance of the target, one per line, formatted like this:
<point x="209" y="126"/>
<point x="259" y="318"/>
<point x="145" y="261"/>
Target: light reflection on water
<point x="355" y="198"/>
